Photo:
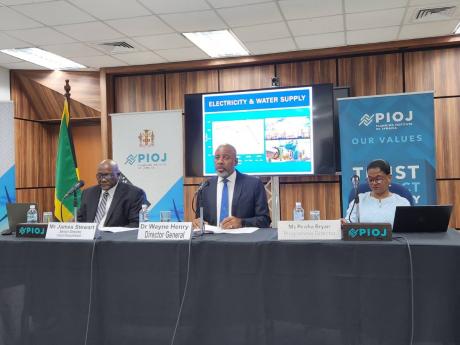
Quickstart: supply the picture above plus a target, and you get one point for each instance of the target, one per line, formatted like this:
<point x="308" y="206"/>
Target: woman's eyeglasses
<point x="377" y="180"/>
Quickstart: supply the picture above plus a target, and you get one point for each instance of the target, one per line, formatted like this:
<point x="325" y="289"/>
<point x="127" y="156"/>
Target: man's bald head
<point x="107" y="174"/>
<point x="225" y="160"/>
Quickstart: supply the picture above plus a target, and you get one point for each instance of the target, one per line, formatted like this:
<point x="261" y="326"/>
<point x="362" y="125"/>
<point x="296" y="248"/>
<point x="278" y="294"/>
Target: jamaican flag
<point x="66" y="169"/>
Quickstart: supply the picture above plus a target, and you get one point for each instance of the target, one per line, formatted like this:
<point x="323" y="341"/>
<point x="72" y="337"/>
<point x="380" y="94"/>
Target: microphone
<point x="355" y="183"/>
<point x="202" y="186"/>
<point x="75" y="187"/>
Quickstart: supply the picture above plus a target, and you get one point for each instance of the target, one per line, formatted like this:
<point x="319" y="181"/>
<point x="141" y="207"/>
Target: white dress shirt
<point x="372" y="210"/>
<point x="231" y="187"/>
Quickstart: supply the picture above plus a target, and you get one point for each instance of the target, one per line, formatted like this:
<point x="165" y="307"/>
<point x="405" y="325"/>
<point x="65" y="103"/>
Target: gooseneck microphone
<point x="74" y="188"/>
<point x="355" y="183"/>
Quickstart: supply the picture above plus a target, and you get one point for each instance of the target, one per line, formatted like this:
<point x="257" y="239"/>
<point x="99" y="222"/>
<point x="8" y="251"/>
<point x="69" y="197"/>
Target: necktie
<point x="224" y="202"/>
<point x="101" y="208"/>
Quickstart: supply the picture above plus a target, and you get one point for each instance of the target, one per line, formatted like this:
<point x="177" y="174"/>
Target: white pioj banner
<point x="164" y="231"/>
<point x="310" y="230"/>
<point x="7" y="167"/>
<point x="149" y="150"/>
<point x="71" y="231"/>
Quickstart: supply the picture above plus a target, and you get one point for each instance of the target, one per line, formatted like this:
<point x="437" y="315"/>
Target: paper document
<point x="115" y="229"/>
<point x="217" y="230"/>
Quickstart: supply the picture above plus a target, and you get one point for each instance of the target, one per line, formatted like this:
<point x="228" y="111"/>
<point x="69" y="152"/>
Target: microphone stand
<point x="200" y="202"/>
<point x="357" y="205"/>
<point x="75" y="206"/>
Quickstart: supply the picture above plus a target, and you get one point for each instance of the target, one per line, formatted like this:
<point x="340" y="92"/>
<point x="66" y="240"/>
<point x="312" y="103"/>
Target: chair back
<point x="394" y="188"/>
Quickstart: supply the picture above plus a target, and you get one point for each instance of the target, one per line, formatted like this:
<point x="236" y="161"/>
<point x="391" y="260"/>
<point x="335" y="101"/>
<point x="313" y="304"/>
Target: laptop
<point x="427" y="218"/>
<point x="17" y="213"/>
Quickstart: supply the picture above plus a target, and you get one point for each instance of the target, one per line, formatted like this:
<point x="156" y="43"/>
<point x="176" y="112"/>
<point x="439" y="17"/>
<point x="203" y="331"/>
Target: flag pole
<point x="75" y="197"/>
<point x="67" y="94"/>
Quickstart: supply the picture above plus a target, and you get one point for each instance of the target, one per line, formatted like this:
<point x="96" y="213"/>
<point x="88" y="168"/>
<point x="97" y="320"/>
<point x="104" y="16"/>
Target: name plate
<point x="31" y="230"/>
<point x="71" y="231"/>
<point x="309" y="230"/>
<point x="164" y="231"/>
<point x="366" y="232"/>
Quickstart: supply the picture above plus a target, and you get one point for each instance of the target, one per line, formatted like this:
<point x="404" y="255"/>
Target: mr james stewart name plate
<point x="71" y="231"/>
<point x="309" y="230"/>
<point x="164" y="231"/>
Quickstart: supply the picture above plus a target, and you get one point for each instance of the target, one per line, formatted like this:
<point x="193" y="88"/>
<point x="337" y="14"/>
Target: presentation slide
<point x="272" y="130"/>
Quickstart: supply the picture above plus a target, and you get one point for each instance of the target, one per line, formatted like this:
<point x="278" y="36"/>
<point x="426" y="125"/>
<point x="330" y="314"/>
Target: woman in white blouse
<point x="378" y="205"/>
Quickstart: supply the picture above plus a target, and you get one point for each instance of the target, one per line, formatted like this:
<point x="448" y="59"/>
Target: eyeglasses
<point x="377" y="180"/>
<point x="100" y="176"/>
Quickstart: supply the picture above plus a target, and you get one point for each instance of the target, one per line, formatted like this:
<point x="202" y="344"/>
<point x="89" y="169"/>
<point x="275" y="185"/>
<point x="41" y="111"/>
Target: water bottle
<point x="298" y="213"/>
<point x="143" y="214"/>
<point x="32" y="215"/>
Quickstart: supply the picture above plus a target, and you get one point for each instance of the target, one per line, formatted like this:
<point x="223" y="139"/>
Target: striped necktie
<point x="101" y="208"/>
<point x="224" y="202"/>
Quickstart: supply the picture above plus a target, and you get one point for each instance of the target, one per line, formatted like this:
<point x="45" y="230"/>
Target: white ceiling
<point x="75" y="28"/>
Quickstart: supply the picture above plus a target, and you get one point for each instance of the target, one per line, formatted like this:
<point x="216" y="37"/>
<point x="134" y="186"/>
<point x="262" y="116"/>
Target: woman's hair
<point x="381" y="164"/>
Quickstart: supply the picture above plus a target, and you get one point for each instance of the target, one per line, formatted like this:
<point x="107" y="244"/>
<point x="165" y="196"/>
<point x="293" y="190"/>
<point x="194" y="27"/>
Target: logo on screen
<point x="146" y="138"/>
<point x="366" y="120"/>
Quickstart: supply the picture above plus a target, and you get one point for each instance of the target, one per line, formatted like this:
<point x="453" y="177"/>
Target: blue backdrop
<point x="398" y="128"/>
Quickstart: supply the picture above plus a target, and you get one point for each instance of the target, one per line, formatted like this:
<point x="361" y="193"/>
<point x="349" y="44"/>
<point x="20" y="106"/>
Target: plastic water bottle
<point x="298" y="213"/>
<point x="143" y="214"/>
<point x="32" y="215"/>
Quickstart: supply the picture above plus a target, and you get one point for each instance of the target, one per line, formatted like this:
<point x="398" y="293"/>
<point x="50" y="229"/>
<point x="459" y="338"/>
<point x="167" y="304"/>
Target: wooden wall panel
<point x="189" y="192"/>
<point x="243" y="78"/>
<point x="44" y="197"/>
<point x="179" y="84"/>
<point x="449" y="193"/>
<point x="447" y="125"/>
<point x="433" y="70"/>
<point x="36" y="147"/>
<point x="87" y="142"/>
<point x="372" y="75"/>
<point x="307" y="73"/>
<point x="35" y="153"/>
<point x="313" y="196"/>
<point x="139" y="93"/>
<point x="84" y="85"/>
<point x="23" y="107"/>
<point x="46" y="103"/>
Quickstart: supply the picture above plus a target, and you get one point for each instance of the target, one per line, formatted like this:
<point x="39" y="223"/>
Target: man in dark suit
<point x="111" y="202"/>
<point x="232" y="199"/>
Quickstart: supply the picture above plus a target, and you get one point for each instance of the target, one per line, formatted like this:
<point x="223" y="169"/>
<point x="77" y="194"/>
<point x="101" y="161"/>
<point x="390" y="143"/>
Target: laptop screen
<point x="426" y="218"/>
<point x="17" y="213"/>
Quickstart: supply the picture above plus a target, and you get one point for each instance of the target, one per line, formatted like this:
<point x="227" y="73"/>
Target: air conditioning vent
<point x="117" y="47"/>
<point x="434" y="13"/>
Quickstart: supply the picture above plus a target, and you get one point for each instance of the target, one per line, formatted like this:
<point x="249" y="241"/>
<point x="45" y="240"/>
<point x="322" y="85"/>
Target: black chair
<point x="394" y="188"/>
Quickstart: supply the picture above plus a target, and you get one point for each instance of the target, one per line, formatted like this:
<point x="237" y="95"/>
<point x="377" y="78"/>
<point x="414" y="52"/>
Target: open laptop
<point x="427" y="218"/>
<point x="17" y="213"/>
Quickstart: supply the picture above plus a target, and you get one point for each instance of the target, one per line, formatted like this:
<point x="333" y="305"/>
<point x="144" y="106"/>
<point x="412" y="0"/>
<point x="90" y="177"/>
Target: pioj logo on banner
<point x="147" y="160"/>
<point x="387" y="120"/>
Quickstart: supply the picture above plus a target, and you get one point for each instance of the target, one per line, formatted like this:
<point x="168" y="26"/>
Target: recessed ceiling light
<point x="43" y="58"/>
<point x="221" y="43"/>
<point x="457" y="29"/>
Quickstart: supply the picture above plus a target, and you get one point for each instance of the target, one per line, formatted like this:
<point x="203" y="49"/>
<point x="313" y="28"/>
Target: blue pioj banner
<point x="398" y="128"/>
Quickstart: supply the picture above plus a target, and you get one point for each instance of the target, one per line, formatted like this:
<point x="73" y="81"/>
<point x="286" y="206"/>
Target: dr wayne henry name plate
<point x="71" y="231"/>
<point x="309" y="230"/>
<point x="164" y="231"/>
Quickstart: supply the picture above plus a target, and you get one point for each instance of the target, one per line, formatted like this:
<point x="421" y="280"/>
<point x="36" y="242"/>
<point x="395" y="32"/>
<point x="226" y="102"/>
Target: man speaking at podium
<point x="232" y="199"/>
<point x="111" y="202"/>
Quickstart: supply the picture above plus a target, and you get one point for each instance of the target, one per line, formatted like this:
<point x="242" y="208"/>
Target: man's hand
<point x="196" y="223"/>
<point x="231" y="223"/>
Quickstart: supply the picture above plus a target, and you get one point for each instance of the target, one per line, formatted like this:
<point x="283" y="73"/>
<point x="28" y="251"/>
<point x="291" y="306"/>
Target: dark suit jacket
<point x="249" y="202"/>
<point x="124" y="209"/>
